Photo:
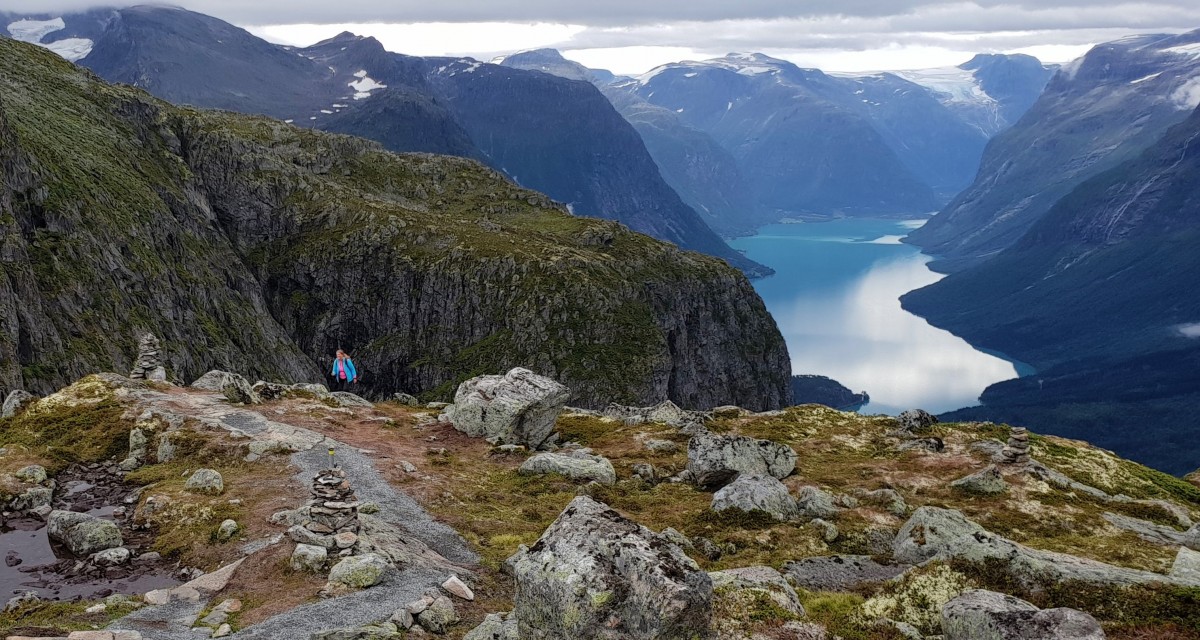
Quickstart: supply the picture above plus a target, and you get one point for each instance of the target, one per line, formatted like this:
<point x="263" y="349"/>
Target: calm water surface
<point x="835" y="296"/>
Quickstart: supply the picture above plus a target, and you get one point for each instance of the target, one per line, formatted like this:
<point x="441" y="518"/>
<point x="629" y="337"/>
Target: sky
<point x="633" y="36"/>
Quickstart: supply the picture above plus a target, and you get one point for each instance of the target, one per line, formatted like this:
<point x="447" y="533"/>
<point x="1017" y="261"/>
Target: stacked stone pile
<point x="148" y="365"/>
<point x="1017" y="450"/>
<point x="333" y="508"/>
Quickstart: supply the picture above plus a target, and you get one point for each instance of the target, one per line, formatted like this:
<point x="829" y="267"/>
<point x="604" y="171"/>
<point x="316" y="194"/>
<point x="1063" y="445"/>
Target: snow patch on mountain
<point x="949" y="84"/>
<point x="364" y="85"/>
<point x="1191" y="50"/>
<point x="33" y="31"/>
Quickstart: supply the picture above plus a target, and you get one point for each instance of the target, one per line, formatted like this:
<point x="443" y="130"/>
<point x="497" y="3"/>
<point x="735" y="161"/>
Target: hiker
<point x="343" y="371"/>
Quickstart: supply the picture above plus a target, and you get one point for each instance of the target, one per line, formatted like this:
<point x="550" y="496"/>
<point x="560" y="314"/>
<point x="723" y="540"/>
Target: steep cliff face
<point x="252" y="245"/>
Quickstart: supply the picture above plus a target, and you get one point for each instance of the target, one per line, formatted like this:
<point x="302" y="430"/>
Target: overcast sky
<point x="632" y="36"/>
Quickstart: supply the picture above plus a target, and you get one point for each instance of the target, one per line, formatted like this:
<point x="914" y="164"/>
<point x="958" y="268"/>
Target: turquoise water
<point x="835" y="296"/>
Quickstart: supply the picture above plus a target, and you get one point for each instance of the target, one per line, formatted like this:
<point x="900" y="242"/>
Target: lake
<point x="836" y="297"/>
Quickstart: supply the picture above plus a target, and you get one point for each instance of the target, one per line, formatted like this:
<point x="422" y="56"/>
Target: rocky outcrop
<point x="495" y="626"/>
<point x="572" y="464"/>
<point x="611" y="314"/>
<point x="987" y="480"/>
<point x="15" y="402"/>
<point x="840" y="573"/>
<point x="1187" y="566"/>
<point x="930" y="531"/>
<point x="986" y="615"/>
<point x="714" y="460"/>
<point x="82" y="534"/>
<point x="234" y="387"/>
<point x="594" y="574"/>
<point x="813" y="502"/>
<point x="751" y="492"/>
<point x="519" y="407"/>
<point x="748" y="584"/>
<point x="916" y="421"/>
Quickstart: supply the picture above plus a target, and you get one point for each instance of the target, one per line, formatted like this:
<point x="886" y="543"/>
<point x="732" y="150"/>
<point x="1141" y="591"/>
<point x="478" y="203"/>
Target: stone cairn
<point x="333" y="508"/>
<point x="1017" y="450"/>
<point x="149" y="365"/>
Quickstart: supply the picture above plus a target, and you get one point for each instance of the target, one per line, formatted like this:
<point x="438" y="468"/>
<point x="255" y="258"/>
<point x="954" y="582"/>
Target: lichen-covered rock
<point x="928" y="532"/>
<point x="840" y="573"/>
<point x="33" y="498"/>
<point x="359" y="572"/>
<point x="81" y="533"/>
<point x="812" y="502"/>
<point x="33" y="474"/>
<point x="519" y="407"/>
<point x="112" y="557"/>
<point x="439" y="616"/>
<point x="755" y="491"/>
<point x="595" y="574"/>
<point x="234" y="387"/>
<point x="889" y="499"/>
<point x="986" y="481"/>
<point x="406" y="399"/>
<point x="16" y="402"/>
<point x="226" y="530"/>
<point x="495" y="626"/>
<point x="206" y="481"/>
<point x="714" y="460"/>
<point x="986" y="615"/>
<point x="1186" y="566"/>
<point x="746" y="585"/>
<point x="309" y="557"/>
<point x="350" y="400"/>
<point x="574" y="465"/>
<point x="916" y="421"/>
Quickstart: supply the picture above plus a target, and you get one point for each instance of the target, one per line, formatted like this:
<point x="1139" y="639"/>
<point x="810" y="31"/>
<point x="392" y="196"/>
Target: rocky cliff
<point x="262" y="247"/>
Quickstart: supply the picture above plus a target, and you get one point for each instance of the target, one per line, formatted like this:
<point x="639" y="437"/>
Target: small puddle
<point x="31" y="562"/>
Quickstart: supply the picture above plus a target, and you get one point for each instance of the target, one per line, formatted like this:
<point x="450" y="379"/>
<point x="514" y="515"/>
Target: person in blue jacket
<point x="344" y="373"/>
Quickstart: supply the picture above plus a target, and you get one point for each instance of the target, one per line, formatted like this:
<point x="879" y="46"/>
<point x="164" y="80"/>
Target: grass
<point x="58" y="617"/>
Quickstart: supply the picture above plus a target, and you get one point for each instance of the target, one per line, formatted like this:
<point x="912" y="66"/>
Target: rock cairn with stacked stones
<point x="149" y="364"/>
<point x="334" y="508"/>
<point x="1017" y="450"/>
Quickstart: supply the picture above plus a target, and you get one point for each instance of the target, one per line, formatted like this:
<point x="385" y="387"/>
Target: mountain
<point x="800" y="153"/>
<point x="249" y="244"/>
<point x="1097" y="112"/>
<point x="701" y="171"/>
<point x="990" y="91"/>
<point x="1099" y="295"/>
<point x="185" y="57"/>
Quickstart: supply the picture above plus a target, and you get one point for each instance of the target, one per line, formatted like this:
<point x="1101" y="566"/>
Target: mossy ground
<point x="36" y="618"/>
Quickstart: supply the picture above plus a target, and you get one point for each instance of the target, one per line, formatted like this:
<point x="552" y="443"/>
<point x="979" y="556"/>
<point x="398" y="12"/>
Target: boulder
<point x="439" y="616"/>
<point x="928" y="532"/>
<point x="595" y="574"/>
<point x="406" y="399"/>
<point x="350" y="400"/>
<point x="226" y="530"/>
<point x="730" y="411"/>
<point x="714" y="460"/>
<point x="270" y="390"/>
<point x="519" y="407"/>
<point x="309" y="557"/>
<point x="33" y="498"/>
<point x="840" y="573"/>
<point x="112" y="557"/>
<point x="574" y="465"/>
<point x="812" y="502"/>
<point x="205" y="481"/>
<point x="987" y="615"/>
<point x="1187" y="566"/>
<point x="986" y="481"/>
<point x="81" y="533"/>
<point x="234" y="387"/>
<point x="359" y="572"/>
<point x="889" y="499"/>
<point x="456" y="587"/>
<point x="746" y="585"/>
<point x="33" y="474"/>
<point x="311" y="388"/>
<point x="753" y="491"/>
<point x="916" y="421"/>
<point x="16" y="402"/>
<point x="495" y="626"/>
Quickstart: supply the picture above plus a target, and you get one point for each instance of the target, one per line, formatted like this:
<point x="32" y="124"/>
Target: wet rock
<point x="985" y="481"/>
<point x="455" y="587"/>
<point x="928" y="532"/>
<point x="81" y="533"/>
<point x="840" y="573"/>
<point x="207" y="481"/>
<point x="714" y="460"/>
<point x="519" y="407"/>
<point x="16" y="402"/>
<point x="916" y="421"/>
<point x="986" y="615"/>
<point x="751" y="492"/>
<point x="33" y="474"/>
<point x="574" y="465"/>
<point x="308" y="557"/>
<point x="350" y="400"/>
<point x="234" y="387"/>
<point x="617" y="578"/>
<point x="495" y="626"/>
<point x="112" y="557"/>
<point x="812" y="502"/>
<point x="747" y="585"/>
<point x="226" y="530"/>
<point x="359" y="572"/>
<point x="33" y="498"/>
<point x="439" y="616"/>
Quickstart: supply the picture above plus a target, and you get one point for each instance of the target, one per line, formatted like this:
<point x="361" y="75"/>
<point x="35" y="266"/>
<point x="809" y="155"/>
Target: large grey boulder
<point x="755" y="491"/>
<point x="495" y="626"/>
<point x="1187" y="566"/>
<point x="359" y="572"/>
<point x="15" y="402"/>
<point x="916" y="421"/>
<point x="82" y="534"/>
<point x="985" y="481"/>
<point x="350" y="401"/>
<point x="308" y="557"/>
<point x="714" y="460"/>
<point x="519" y="407"/>
<point x="234" y="387"/>
<point x="33" y="498"/>
<point x="574" y="465"/>
<point x="840" y="573"/>
<point x="205" y="481"/>
<point x="812" y="502"/>
<point x="987" y="615"/>
<point x="749" y="585"/>
<point x="929" y="532"/>
<point x="595" y="574"/>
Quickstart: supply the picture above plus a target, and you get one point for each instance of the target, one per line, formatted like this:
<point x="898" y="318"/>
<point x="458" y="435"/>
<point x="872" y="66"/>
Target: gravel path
<point x="173" y="621"/>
